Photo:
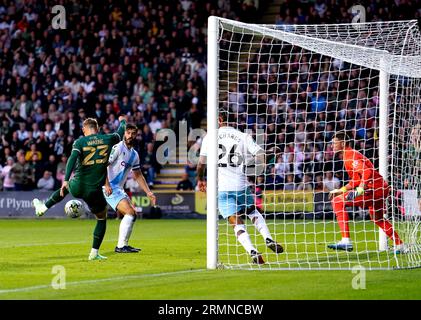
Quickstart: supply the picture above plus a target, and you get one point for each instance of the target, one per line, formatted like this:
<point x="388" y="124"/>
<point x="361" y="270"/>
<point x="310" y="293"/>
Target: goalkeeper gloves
<point x="335" y="192"/>
<point x="355" y="193"/>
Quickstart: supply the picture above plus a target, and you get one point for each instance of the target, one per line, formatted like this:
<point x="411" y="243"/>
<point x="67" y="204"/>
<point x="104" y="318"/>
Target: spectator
<point x="149" y="164"/>
<point x="50" y="164"/>
<point x="185" y="184"/>
<point x="193" y="118"/>
<point x="22" y="132"/>
<point x="31" y="152"/>
<point x="155" y="124"/>
<point x="330" y="182"/>
<point x="8" y="182"/>
<point x="46" y="183"/>
<point x="306" y="184"/>
<point x="23" y="107"/>
<point x="60" y="169"/>
<point x="318" y="185"/>
<point x="23" y="174"/>
<point x="290" y="183"/>
<point x="122" y="67"/>
<point x="37" y="168"/>
<point x="49" y="132"/>
<point x="190" y="169"/>
<point x="272" y="180"/>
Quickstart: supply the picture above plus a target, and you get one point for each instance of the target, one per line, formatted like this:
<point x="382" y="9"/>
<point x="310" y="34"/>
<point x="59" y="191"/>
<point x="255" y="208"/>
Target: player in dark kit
<point x="89" y="160"/>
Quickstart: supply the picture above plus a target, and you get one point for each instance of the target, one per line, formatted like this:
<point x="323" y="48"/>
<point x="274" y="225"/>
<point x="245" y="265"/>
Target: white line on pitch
<point x="48" y="244"/>
<point x="76" y="283"/>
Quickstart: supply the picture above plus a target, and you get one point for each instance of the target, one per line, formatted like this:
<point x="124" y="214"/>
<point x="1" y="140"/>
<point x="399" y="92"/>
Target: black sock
<point x="55" y="198"/>
<point x="99" y="232"/>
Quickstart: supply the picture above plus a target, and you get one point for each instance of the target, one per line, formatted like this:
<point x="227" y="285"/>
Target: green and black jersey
<point x="92" y="158"/>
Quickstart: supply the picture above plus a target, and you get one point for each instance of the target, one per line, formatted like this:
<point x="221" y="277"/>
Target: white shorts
<point x="114" y="199"/>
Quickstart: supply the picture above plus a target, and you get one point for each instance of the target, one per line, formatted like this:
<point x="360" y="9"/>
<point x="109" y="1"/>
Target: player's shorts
<point x="114" y="198"/>
<point x="231" y="202"/>
<point x="91" y="195"/>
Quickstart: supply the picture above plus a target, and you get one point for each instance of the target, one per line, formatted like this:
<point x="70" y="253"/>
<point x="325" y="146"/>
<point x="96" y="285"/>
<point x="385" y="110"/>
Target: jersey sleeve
<point x="203" y="147"/>
<point x="77" y="146"/>
<point x="115" y="152"/>
<point x="136" y="163"/>
<point x="117" y="136"/>
<point x="251" y="146"/>
<point x="71" y="162"/>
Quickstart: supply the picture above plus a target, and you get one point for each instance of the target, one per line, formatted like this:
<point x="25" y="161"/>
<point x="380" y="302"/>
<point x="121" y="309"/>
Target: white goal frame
<point x="212" y="129"/>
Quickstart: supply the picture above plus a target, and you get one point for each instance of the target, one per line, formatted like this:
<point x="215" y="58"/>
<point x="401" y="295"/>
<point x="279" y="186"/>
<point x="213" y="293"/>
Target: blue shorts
<point x="114" y="199"/>
<point x="231" y="202"/>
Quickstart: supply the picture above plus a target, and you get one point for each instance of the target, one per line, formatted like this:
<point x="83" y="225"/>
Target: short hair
<point x="131" y="126"/>
<point x="342" y="136"/>
<point x="227" y="116"/>
<point x="91" y="123"/>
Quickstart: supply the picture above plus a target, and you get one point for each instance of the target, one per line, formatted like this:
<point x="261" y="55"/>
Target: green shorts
<point x="91" y="195"/>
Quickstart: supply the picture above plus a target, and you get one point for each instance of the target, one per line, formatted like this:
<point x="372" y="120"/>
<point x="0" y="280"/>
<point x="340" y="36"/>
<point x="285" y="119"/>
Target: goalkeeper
<point x="366" y="189"/>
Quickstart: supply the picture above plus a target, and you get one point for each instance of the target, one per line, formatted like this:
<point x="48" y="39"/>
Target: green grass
<point x="172" y="265"/>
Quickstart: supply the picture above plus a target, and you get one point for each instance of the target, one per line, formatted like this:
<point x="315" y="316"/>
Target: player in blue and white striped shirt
<point x="124" y="158"/>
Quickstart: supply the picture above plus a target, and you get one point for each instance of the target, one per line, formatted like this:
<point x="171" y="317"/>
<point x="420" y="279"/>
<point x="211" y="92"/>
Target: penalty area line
<point x="111" y="279"/>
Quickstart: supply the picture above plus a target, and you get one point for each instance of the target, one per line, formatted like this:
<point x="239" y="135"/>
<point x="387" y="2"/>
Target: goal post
<point x="292" y="87"/>
<point x="383" y="137"/>
<point x="212" y="128"/>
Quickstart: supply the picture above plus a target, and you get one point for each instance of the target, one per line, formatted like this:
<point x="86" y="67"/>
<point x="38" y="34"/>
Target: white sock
<point x="245" y="241"/>
<point x="260" y="224"/>
<point x="129" y="233"/>
<point x="94" y="252"/>
<point x="125" y="226"/>
<point x="346" y="241"/>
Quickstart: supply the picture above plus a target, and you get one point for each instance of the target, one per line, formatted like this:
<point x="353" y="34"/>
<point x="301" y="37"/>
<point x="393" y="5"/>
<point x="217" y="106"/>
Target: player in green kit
<point x="89" y="161"/>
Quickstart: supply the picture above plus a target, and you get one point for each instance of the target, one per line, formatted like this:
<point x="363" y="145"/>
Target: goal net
<point x="292" y="87"/>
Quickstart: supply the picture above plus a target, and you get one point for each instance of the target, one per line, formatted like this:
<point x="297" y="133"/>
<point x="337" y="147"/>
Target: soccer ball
<point x="74" y="209"/>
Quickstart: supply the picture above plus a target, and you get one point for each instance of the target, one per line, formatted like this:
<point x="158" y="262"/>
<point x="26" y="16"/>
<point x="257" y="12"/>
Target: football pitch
<point x="171" y="265"/>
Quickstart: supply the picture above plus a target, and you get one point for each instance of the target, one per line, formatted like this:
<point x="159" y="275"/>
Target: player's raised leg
<point x="56" y="197"/>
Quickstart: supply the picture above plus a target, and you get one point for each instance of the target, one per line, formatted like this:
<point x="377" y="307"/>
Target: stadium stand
<point x="146" y="59"/>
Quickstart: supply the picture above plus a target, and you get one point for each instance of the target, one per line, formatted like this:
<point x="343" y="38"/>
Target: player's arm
<point x="141" y="181"/>
<point x="107" y="186"/>
<point x="260" y="157"/>
<point x="353" y="183"/>
<point x="118" y="135"/>
<point x="71" y="162"/>
<point x="359" y="178"/>
<point x="121" y="127"/>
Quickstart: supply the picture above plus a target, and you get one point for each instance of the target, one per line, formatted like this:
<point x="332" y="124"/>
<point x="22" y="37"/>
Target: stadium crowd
<point x="146" y="59"/>
<point x="300" y="99"/>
